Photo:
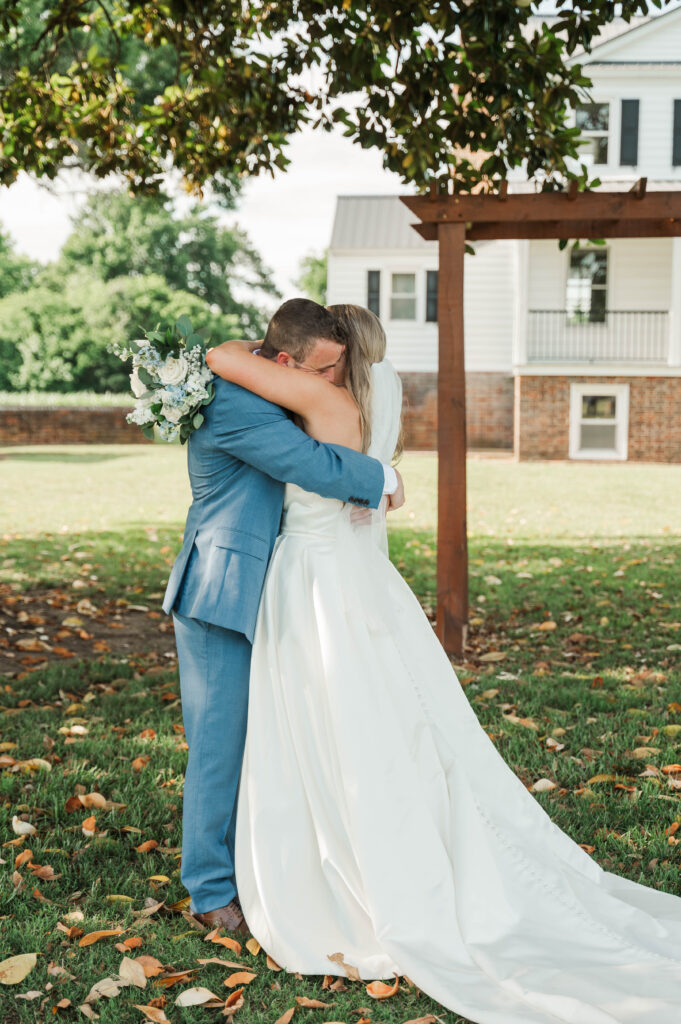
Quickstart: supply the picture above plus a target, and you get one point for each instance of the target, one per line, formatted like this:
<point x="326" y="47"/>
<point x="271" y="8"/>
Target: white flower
<point x="138" y="388"/>
<point x="173" y="371"/>
<point x="172" y="413"/>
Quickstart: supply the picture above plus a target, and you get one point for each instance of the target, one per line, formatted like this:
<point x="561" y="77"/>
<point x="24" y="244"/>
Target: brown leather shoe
<point x="230" y="917"/>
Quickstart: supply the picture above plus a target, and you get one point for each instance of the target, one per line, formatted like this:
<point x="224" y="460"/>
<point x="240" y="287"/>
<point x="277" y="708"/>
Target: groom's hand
<point x="396" y="499"/>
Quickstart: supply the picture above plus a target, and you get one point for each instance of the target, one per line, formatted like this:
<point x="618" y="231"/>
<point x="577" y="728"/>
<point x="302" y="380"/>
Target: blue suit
<point x="239" y="460"/>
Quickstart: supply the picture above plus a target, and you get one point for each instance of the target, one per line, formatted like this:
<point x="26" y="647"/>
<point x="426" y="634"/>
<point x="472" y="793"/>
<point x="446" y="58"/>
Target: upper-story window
<point x="403" y="297"/>
<point x="586" y="294"/>
<point x="593" y="121"/>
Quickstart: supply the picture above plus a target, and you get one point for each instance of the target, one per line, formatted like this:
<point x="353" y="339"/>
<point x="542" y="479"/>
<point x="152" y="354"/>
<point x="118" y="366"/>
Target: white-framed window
<point x="403" y="296"/>
<point x="586" y="292"/>
<point x="599" y="421"/>
<point x="593" y="121"/>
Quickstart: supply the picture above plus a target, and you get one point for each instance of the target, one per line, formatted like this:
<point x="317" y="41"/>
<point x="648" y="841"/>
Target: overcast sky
<point x="285" y="217"/>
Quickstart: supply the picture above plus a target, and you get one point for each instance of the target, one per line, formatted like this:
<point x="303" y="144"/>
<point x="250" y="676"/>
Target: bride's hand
<point x="397" y="498"/>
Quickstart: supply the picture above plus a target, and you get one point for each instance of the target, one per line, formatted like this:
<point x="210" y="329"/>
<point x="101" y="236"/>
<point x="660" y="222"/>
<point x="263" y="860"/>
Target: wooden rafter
<point x="543" y="206"/>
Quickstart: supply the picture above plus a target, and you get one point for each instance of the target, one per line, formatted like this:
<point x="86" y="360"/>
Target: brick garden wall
<point x="68" y="425"/>
<point x="542" y="416"/>
<point x="489" y="410"/>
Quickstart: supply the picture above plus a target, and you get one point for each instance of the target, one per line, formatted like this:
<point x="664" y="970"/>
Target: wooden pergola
<point x="453" y="220"/>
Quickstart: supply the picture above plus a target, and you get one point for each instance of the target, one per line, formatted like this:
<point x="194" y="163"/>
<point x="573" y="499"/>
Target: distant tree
<point x="58" y="339"/>
<point x="16" y="272"/>
<point x="217" y="88"/>
<point x="312" y="276"/>
<point x="119" y="235"/>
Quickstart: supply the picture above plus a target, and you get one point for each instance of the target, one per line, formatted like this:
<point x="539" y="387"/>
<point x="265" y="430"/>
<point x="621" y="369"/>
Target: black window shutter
<point x="431" y="296"/>
<point x="629" y="134"/>
<point x="676" y="149"/>
<point x="374" y="291"/>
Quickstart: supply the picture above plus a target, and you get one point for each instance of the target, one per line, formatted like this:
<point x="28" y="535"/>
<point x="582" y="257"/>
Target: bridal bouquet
<point x="170" y="381"/>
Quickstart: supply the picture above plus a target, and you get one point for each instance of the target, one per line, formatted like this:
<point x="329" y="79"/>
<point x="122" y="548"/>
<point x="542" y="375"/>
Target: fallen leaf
<point x="63" y="1004"/>
<point x="607" y="777"/>
<point x="150" y="965"/>
<point x="22" y="857"/>
<point x="239" y="978"/>
<point x="94" y="800"/>
<point x="173" y="977"/>
<point x="92" y="937"/>
<point x="379" y="990"/>
<point x="311" y="1004"/>
<point x="224" y="940"/>
<point x="286" y="1017"/>
<point x="351" y="972"/>
<point x="543" y="786"/>
<point x="671" y="769"/>
<point x="428" y="1019"/>
<point x="216" y="960"/>
<point x="23" y="828"/>
<point x="272" y="964"/>
<point x="14" y="970"/>
<point x="138" y="763"/>
<point x="253" y="947"/>
<point x="108" y="987"/>
<point x="145" y="847"/>
<point x="116" y="897"/>
<point x="493" y="656"/>
<point x="89" y="826"/>
<point x="88" y="1012"/>
<point x="132" y="942"/>
<point x="153" y="1013"/>
<point x="33" y="994"/>
<point x="195" y="997"/>
<point x="132" y="972"/>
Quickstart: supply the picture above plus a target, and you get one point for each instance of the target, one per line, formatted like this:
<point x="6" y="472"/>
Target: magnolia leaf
<point x="379" y="990"/>
<point x="23" y="828"/>
<point x="92" y="937"/>
<point x="153" y="1013"/>
<point x="286" y="1017"/>
<point x="253" y="947"/>
<point x="108" y="987"/>
<point x="195" y="997"/>
<point x="14" y="970"/>
<point x="312" y="1004"/>
<point x="351" y="972"/>
<point x="543" y="786"/>
<point x="239" y="978"/>
<point x="133" y="972"/>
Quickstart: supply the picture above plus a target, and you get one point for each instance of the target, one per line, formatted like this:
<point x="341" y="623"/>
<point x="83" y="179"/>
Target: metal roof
<point x="375" y="222"/>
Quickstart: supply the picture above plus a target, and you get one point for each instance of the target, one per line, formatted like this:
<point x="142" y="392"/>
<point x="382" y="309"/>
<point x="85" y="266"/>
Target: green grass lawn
<point x="591" y="550"/>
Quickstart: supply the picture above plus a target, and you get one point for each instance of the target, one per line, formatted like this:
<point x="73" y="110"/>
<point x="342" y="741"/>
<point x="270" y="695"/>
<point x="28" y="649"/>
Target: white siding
<point x="658" y="39"/>
<point x="639" y="274"/>
<point x="656" y="93"/>
<point x="489" y="303"/>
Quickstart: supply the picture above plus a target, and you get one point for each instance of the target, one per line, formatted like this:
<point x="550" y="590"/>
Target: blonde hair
<point x="366" y="345"/>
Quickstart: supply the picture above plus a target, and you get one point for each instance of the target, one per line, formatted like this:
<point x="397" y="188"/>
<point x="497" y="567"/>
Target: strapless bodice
<point x="310" y="514"/>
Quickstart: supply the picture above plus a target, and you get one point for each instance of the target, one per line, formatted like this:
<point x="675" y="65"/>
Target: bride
<point x="375" y="816"/>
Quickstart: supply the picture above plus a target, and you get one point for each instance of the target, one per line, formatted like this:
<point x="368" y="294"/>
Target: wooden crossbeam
<point x="639" y="188"/>
<point x="543" y="206"/>
<point x="669" y="228"/>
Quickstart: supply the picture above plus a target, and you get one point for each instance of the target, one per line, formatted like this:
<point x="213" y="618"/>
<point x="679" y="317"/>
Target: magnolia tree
<point x="217" y="89"/>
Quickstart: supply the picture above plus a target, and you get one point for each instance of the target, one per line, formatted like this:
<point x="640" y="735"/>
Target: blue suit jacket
<point x="239" y="460"/>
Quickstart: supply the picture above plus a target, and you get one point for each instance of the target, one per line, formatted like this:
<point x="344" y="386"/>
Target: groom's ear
<point x="284" y="359"/>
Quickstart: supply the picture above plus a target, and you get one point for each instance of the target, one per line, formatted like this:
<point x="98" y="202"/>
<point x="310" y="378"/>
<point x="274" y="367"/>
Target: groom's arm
<point x="261" y="434"/>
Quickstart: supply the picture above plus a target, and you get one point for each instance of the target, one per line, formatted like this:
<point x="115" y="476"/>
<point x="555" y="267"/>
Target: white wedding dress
<point x="376" y="818"/>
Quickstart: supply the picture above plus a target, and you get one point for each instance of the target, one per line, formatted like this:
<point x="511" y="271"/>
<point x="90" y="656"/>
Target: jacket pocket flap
<point x="239" y="540"/>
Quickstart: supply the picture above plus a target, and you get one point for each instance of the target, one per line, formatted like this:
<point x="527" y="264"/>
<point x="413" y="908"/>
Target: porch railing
<point x="624" y="336"/>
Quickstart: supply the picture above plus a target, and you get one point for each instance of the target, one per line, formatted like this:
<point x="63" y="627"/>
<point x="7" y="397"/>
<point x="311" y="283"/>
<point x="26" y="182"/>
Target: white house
<point x="572" y="353"/>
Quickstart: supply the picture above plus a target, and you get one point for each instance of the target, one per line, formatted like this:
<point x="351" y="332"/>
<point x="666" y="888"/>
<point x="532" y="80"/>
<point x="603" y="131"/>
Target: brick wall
<point x="489" y="410"/>
<point x="542" y="416"/>
<point x="67" y="425"/>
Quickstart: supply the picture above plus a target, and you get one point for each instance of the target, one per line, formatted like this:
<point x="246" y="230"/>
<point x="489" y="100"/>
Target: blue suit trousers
<point x="214" y="675"/>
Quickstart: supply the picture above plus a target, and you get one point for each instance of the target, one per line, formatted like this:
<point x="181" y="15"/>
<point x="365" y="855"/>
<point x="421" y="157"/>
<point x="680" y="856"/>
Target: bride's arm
<point x="303" y="393"/>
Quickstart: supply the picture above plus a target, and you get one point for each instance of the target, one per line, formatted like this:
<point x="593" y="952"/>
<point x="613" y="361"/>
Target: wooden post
<point x="452" y="556"/>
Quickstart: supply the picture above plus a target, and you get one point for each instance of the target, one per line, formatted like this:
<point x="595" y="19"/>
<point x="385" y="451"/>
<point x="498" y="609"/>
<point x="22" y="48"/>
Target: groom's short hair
<point x="297" y="325"/>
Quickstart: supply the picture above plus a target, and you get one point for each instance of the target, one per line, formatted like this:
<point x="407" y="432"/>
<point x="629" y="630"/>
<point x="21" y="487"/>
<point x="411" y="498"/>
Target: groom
<point x="239" y="461"/>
